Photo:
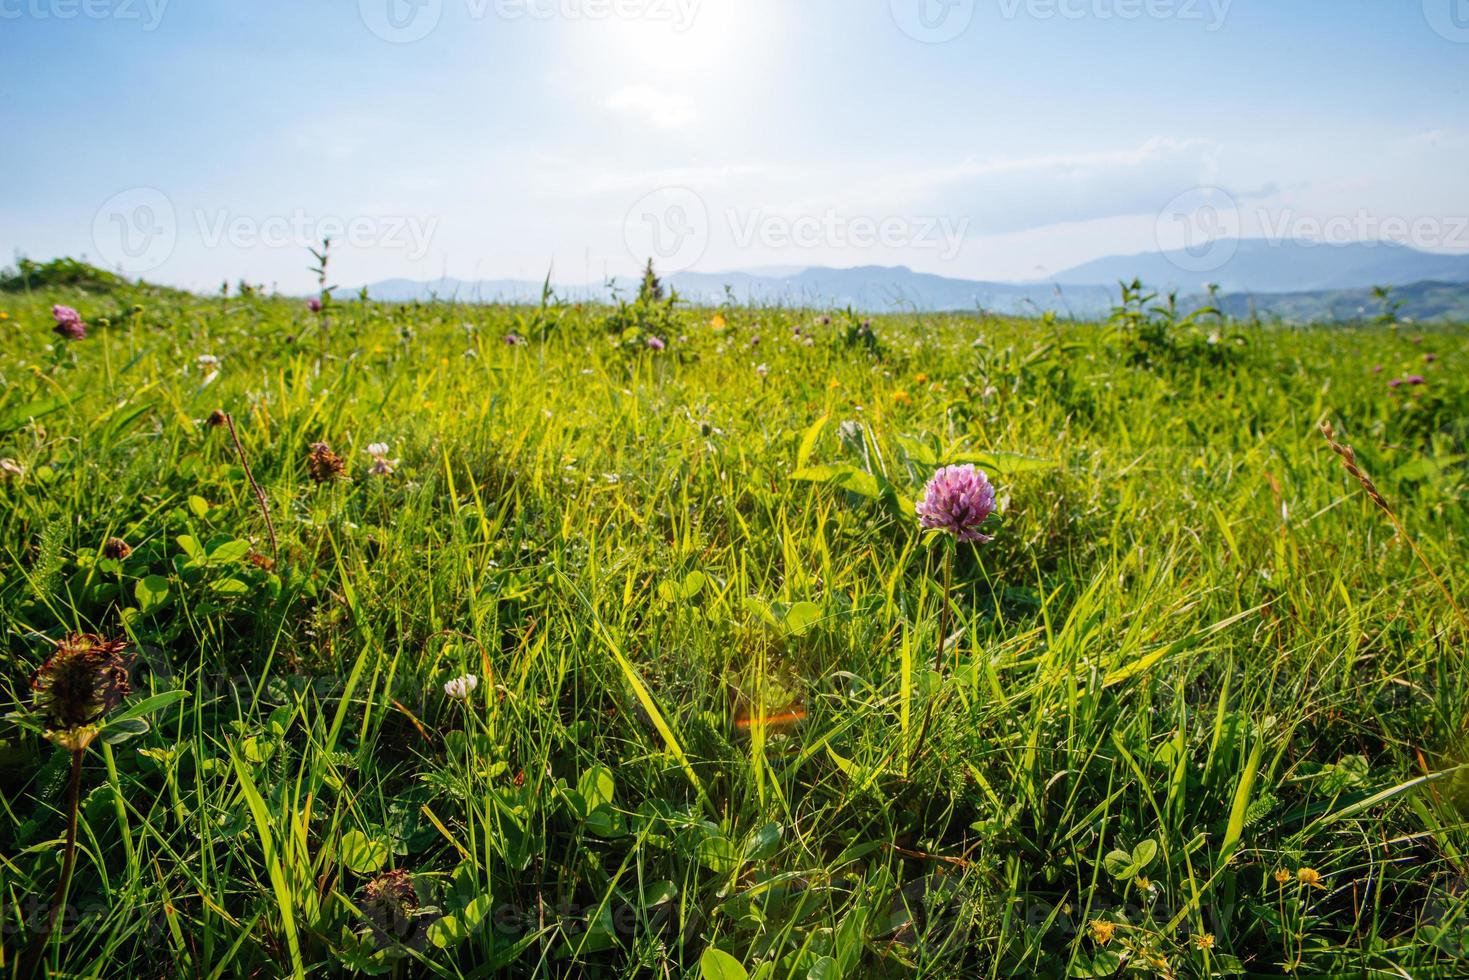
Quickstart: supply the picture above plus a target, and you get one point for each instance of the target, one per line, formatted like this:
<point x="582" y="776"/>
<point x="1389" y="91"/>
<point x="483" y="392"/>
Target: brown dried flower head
<point x="116" y="548"/>
<point x="216" y="418"/>
<point x="391" y="902"/>
<point x="82" y="681"/>
<point x="323" y="464"/>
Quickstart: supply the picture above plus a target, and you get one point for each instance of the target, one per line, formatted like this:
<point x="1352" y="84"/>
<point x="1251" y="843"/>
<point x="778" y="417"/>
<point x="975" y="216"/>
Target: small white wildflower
<point x="381" y="465"/>
<point x="762" y="369"/>
<point x="206" y="360"/>
<point x="9" y="468"/>
<point x="460" y="688"/>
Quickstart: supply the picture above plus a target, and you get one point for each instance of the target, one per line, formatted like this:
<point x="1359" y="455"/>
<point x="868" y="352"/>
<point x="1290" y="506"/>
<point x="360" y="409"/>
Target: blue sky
<point x="1002" y="139"/>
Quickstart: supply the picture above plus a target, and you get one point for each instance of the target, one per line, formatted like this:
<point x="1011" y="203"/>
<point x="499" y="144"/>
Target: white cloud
<point x="1009" y="195"/>
<point x="666" y="110"/>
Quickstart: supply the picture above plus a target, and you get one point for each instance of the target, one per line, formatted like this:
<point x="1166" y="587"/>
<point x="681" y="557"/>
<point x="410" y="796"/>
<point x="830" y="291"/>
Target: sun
<point x="677" y="45"/>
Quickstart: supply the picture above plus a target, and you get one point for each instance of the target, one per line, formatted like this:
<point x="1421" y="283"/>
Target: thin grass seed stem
<point x="68" y="860"/>
<point x="938" y="657"/>
<point x="945" y="611"/>
<point x="1354" y="469"/>
<point x="229" y="421"/>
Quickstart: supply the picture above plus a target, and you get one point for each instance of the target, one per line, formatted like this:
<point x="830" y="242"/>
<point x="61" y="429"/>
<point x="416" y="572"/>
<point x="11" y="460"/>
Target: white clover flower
<point x="460" y="688"/>
<point x="381" y="465"/>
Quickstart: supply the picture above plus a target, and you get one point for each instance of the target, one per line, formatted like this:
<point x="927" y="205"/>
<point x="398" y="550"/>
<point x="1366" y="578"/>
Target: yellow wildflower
<point x="1281" y="876"/>
<point x="900" y="397"/>
<point x="1102" y="931"/>
<point x="1309" y="877"/>
<point x="717" y="322"/>
<point x="1204" y="940"/>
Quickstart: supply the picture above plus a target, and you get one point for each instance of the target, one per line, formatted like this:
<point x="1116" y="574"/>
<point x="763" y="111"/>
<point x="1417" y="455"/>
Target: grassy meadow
<point x="1200" y="710"/>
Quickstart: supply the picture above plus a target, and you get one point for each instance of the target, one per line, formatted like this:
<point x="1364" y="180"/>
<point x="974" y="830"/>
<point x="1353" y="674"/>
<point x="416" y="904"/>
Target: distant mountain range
<point x="1295" y="280"/>
<point x="1260" y="266"/>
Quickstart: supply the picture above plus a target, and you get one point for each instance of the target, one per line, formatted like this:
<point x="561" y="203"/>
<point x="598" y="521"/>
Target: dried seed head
<point x="82" y="681"/>
<point x="391" y="902"/>
<point x="216" y="418"/>
<point x="1349" y="461"/>
<point x="116" y="548"/>
<point x="323" y="464"/>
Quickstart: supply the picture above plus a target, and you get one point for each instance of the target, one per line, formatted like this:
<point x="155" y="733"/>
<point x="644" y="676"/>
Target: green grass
<point x="1195" y="656"/>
